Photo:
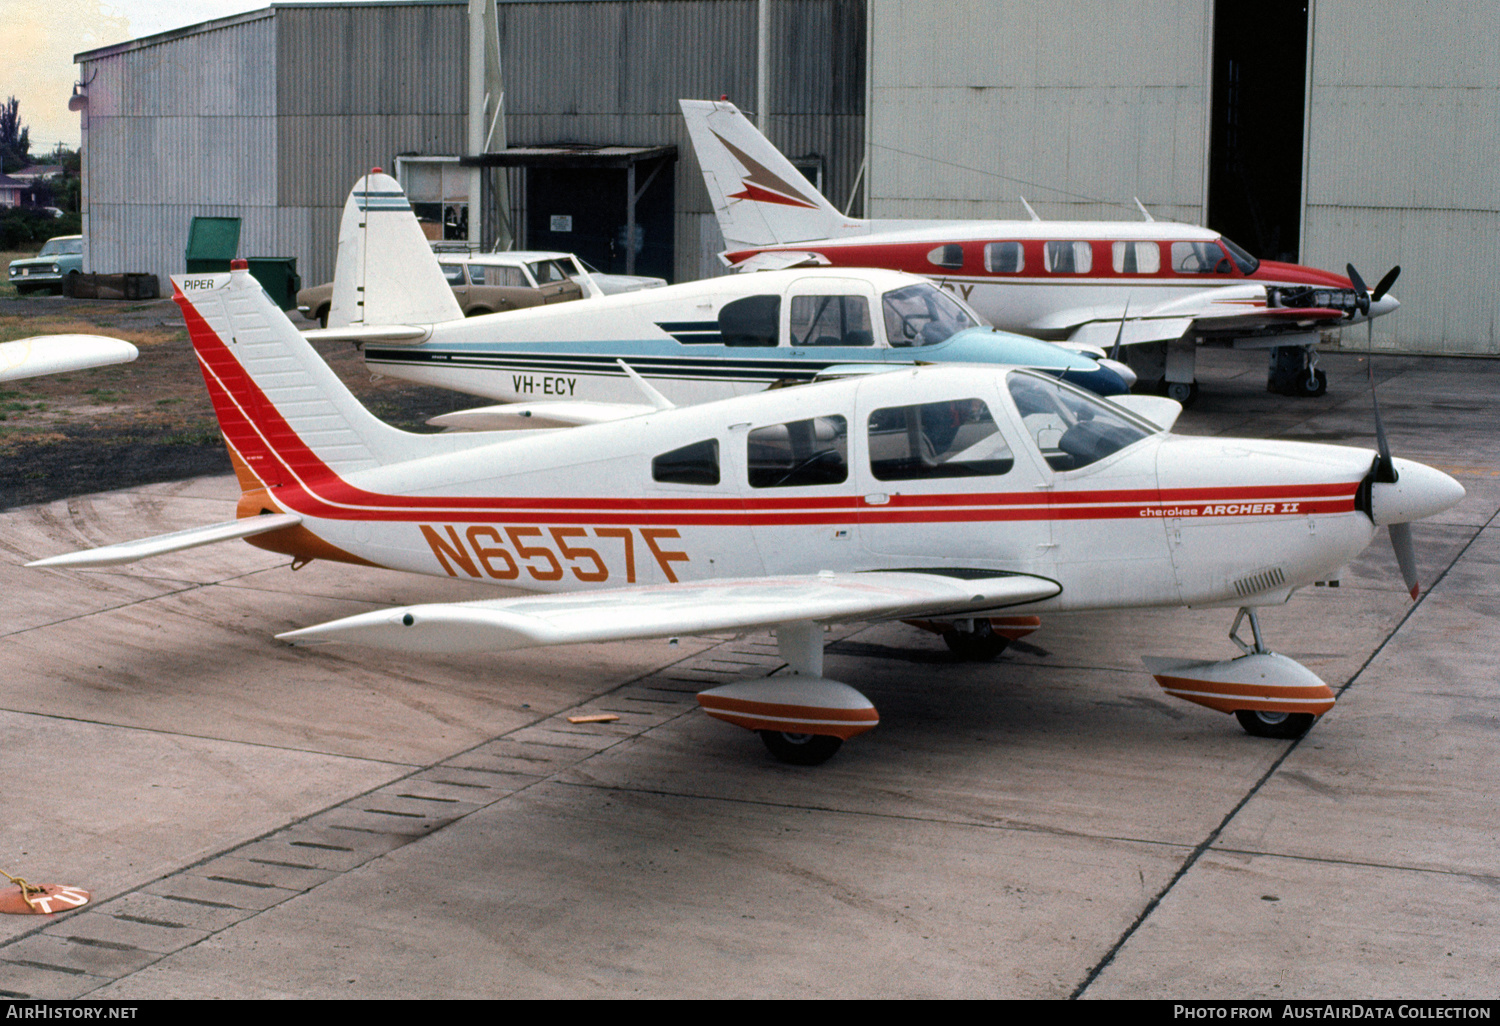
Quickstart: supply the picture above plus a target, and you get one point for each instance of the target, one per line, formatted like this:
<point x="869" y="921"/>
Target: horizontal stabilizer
<point x="531" y="416"/>
<point x="391" y="334"/>
<point x="58" y="354"/>
<point x="129" y="552"/>
<point x="702" y="607"/>
<point x="778" y="261"/>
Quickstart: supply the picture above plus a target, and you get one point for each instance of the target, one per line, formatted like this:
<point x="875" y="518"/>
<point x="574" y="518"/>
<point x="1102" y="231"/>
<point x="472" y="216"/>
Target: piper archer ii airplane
<point x="1171" y="286"/>
<point x="941" y="494"/>
<point x="695" y="342"/>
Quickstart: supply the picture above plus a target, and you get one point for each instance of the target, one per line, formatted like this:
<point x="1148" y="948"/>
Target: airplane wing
<point x="669" y="610"/>
<point x="777" y="261"/>
<point x="129" y="552"/>
<point x="531" y="416"/>
<point x="58" y="354"/>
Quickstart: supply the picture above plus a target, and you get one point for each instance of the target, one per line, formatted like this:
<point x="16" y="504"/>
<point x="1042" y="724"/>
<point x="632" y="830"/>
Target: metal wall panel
<point x="1404" y="165"/>
<point x="975" y="102"/>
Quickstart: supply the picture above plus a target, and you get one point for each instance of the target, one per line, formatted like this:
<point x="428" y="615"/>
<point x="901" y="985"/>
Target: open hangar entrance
<point x="611" y="205"/>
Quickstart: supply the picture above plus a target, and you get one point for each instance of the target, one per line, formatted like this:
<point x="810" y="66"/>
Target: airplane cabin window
<point x="454" y="273"/>
<point x="751" y="321"/>
<point x="1199" y="258"/>
<point x="802" y="453"/>
<point x="922" y="315"/>
<point x="831" y="321"/>
<point x="1068" y="257"/>
<point x="495" y="275"/>
<point x="696" y="464"/>
<point x="1004" y="257"/>
<point x="1072" y="428"/>
<point x="957" y="438"/>
<point x="1136" y="257"/>
<point x="950" y="255"/>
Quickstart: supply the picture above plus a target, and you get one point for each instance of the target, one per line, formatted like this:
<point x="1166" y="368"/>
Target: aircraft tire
<point x="979" y="645"/>
<point x="1312" y="383"/>
<point x="801" y="749"/>
<point x="1286" y="726"/>
<point x="1186" y="394"/>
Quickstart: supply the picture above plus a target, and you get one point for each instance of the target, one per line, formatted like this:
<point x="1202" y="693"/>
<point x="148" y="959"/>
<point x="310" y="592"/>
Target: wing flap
<point x="498" y="625"/>
<point x="129" y="552"/>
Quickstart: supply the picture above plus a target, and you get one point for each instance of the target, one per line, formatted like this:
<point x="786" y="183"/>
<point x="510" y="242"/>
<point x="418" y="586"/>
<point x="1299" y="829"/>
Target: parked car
<point x="60" y="257"/>
<point x="486" y="283"/>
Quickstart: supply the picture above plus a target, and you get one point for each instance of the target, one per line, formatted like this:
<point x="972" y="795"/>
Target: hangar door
<point x="585" y="211"/>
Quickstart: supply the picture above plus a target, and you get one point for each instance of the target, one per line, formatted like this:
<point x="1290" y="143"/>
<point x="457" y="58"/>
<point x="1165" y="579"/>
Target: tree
<point x="15" y="138"/>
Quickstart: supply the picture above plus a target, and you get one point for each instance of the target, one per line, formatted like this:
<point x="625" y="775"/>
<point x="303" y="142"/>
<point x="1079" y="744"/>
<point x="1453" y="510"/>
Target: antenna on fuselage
<point x="1033" y="213"/>
<point x="1142" y="208"/>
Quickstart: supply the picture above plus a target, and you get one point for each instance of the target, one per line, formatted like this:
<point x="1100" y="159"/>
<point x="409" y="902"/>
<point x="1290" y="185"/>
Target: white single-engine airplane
<point x="559" y="364"/>
<point x="1170" y="285"/>
<point x="937" y="494"/>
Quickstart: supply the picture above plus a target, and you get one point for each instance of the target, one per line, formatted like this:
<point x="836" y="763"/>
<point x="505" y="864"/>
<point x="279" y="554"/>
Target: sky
<point x="40" y="38"/>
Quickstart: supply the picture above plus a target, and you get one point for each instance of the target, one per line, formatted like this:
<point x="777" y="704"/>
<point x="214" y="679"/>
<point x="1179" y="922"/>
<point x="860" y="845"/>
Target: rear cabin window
<point x="454" y="273"/>
<point x="831" y="321"/>
<point x="956" y="438"/>
<point x="950" y="255"/>
<point x="508" y="276"/>
<point x="1136" y="257"/>
<point x="1004" y="257"/>
<point x="751" y="321"/>
<point x="1068" y="257"/>
<point x="1199" y="258"/>
<point x="801" y="453"/>
<point x="696" y="464"/>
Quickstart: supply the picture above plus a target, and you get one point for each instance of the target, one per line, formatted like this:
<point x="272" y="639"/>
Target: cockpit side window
<point x="831" y="321"/>
<point x="1071" y="428"/>
<point x="801" y="453"/>
<point x="1199" y="258"/>
<point x="922" y="315"/>
<point x="696" y="464"/>
<point x="956" y="438"/>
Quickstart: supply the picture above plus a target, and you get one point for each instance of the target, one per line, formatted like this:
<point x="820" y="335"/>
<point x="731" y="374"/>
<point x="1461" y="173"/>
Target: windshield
<point x="59" y="247"/>
<point x="1072" y="428"/>
<point x="1242" y="259"/>
<point x="923" y="315"/>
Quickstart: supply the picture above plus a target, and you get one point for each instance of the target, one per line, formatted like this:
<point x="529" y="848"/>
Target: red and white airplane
<point x="948" y="495"/>
<point x="1173" y="285"/>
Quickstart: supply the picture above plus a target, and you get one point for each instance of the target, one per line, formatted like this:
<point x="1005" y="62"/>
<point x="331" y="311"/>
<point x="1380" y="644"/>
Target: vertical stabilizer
<point x="386" y="271"/>
<point x="759" y="197"/>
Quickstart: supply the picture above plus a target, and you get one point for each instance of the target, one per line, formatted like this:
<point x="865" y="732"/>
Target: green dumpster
<point x="212" y="243"/>
<point x="279" y="277"/>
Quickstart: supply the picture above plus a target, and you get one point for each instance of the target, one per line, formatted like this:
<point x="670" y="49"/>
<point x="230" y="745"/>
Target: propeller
<point x="1406" y="553"/>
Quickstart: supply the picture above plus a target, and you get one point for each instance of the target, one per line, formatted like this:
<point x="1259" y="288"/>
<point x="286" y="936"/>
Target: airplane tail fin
<point x="386" y="272"/>
<point x="759" y="197"/>
<point x="288" y="420"/>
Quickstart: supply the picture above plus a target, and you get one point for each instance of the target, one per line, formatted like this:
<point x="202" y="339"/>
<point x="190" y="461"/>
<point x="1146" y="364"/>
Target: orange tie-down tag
<point x="23" y="899"/>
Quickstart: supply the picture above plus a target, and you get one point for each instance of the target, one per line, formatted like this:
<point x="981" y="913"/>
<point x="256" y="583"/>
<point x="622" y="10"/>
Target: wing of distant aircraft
<point x="59" y="354"/>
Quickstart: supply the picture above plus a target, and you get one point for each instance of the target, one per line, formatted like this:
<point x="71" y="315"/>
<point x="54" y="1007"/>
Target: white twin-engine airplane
<point x="1171" y="285"/>
<point x="559" y="365"/>
<point x="950" y="496"/>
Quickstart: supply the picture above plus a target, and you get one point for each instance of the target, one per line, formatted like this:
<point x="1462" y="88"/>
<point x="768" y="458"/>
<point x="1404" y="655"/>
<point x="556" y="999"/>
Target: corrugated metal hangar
<point x="1325" y="131"/>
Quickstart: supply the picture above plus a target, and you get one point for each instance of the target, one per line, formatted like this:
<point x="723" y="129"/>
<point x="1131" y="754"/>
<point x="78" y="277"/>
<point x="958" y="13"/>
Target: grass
<point x="12" y="328"/>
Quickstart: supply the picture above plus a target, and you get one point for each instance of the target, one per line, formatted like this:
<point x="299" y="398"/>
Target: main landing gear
<point x="1294" y="371"/>
<point x="803" y="717"/>
<point x="1270" y="695"/>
